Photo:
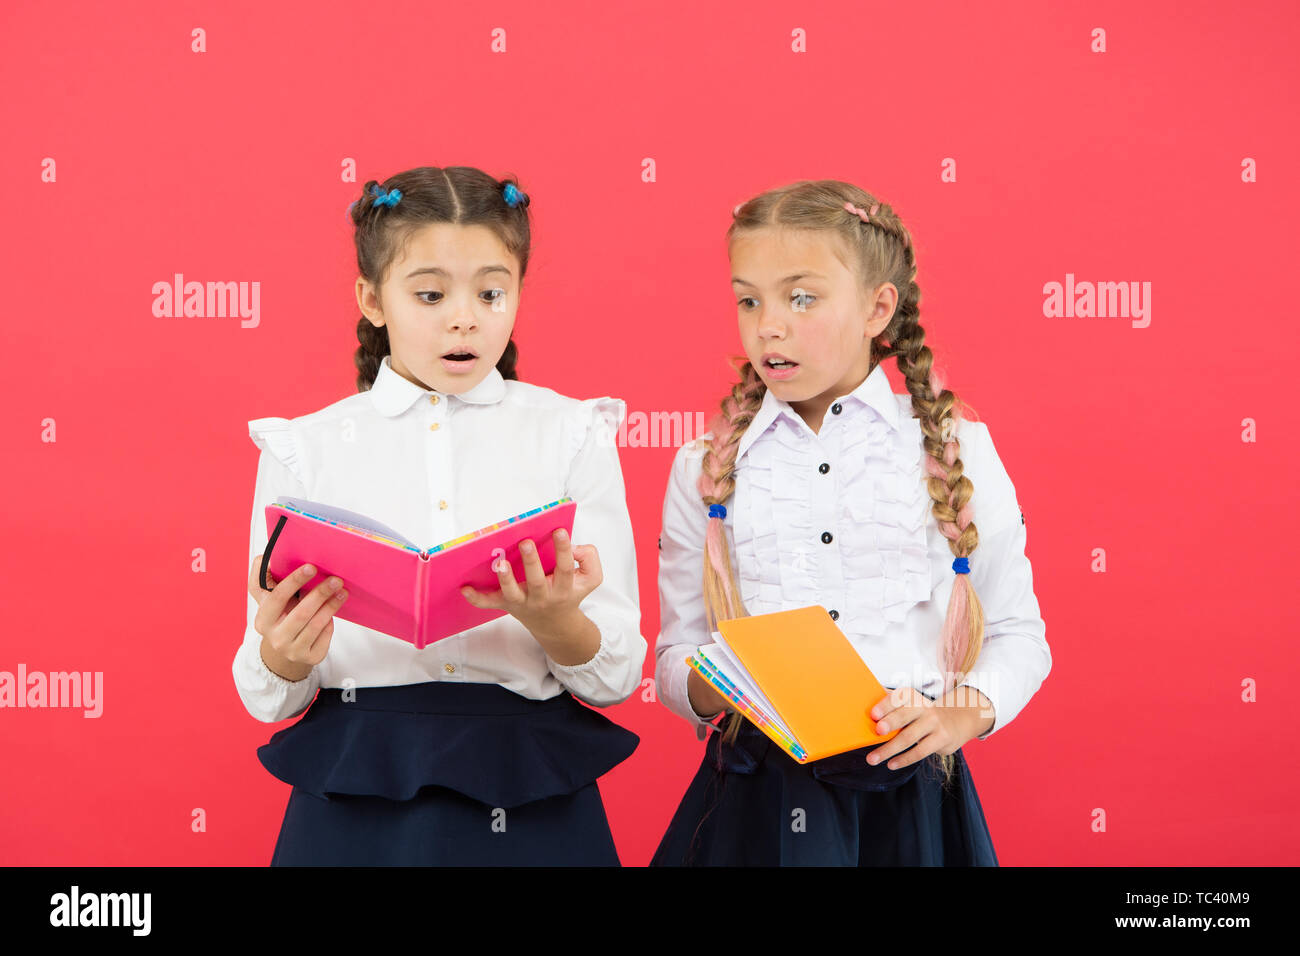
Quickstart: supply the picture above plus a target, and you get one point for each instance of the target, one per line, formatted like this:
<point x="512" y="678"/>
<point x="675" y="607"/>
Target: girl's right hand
<point x="295" y="630"/>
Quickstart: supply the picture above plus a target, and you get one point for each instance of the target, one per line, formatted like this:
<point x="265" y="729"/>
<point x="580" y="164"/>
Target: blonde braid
<point x="963" y="627"/>
<point x="721" y="591"/>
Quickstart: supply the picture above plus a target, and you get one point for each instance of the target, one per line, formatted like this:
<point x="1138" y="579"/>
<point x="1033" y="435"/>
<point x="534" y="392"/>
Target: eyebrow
<point x="736" y="280"/>
<point x="435" y="270"/>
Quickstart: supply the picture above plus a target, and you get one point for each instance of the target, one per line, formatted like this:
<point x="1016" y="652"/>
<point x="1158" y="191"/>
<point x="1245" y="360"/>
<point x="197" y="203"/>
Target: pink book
<point x="393" y="585"/>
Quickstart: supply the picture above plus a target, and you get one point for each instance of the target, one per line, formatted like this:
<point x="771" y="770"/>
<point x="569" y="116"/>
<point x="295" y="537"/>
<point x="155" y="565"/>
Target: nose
<point x="463" y="320"/>
<point x="770" y="323"/>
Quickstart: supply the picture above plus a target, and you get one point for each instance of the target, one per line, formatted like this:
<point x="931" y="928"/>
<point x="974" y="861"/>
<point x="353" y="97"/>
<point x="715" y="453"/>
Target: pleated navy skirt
<point x="445" y="774"/>
<point x="751" y="804"/>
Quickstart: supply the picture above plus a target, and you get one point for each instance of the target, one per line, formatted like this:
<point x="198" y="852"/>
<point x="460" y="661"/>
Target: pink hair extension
<point x="936" y="382"/>
<point x="955" y="636"/>
<point x="935" y="470"/>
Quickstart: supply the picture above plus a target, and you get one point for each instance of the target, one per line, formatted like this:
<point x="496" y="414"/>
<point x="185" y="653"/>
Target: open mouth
<point x="460" y="356"/>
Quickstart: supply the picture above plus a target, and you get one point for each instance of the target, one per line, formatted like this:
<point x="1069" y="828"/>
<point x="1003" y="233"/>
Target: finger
<point x="272" y="606"/>
<point x="589" y="558"/>
<point x="321" y="646"/>
<point x="562" y="578"/>
<point x="898" y="718"/>
<point x="313" y="639"/>
<point x="255" y="580"/>
<point x="490" y="600"/>
<point x="510" y="591"/>
<point x="533" y="573"/>
<point x="918" y="751"/>
<point x="299" y="619"/>
<point x="897" y="744"/>
<point x="896" y="698"/>
<point x="255" y="575"/>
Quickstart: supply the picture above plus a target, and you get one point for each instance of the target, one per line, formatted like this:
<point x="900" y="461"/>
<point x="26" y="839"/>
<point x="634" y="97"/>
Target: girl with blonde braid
<point x="892" y="511"/>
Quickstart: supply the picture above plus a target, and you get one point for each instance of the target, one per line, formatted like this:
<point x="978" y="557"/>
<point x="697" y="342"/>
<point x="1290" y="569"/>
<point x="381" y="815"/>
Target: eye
<point x="804" y="295"/>
<point x="426" y="301"/>
<point x="748" y="298"/>
<point x="496" y="294"/>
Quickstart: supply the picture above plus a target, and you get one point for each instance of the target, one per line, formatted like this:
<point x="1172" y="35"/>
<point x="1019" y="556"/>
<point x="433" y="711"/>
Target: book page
<point x="344" y="517"/>
<point x="728" y="668"/>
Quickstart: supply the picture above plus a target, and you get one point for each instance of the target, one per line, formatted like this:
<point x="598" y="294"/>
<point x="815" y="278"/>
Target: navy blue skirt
<point x="441" y="773"/>
<point x="751" y="804"/>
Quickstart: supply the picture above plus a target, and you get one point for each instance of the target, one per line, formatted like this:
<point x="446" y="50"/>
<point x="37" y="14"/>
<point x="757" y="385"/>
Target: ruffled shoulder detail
<point x="604" y="415"/>
<point x="279" y="437"/>
<point x="522" y="751"/>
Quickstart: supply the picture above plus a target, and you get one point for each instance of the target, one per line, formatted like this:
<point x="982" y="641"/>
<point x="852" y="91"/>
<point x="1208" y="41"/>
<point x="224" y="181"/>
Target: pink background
<point x="225" y="166"/>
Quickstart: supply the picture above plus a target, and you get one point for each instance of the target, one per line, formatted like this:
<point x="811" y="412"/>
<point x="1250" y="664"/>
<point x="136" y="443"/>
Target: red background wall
<point x="225" y="166"/>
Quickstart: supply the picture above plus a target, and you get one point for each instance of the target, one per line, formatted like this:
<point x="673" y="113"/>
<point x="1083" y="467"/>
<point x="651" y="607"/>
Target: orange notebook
<point x="797" y="678"/>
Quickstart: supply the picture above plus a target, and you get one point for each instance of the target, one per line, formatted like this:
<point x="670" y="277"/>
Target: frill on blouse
<point x="276" y="435"/>
<point x="603" y="415"/>
<point x="480" y="740"/>
<point x="887" y="572"/>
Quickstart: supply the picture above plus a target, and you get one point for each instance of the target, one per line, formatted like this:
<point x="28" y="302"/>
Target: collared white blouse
<point x="433" y="467"/>
<point x="841" y="518"/>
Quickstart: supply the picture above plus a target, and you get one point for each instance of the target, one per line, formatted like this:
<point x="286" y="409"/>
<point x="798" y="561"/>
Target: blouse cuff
<point x="264" y="692"/>
<point x="602" y="658"/>
<point x="607" y="678"/>
<point x="969" y="682"/>
<point x="271" y="677"/>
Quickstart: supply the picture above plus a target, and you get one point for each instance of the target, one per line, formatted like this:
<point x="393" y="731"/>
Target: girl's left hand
<point x="546" y="601"/>
<point x="926" y="727"/>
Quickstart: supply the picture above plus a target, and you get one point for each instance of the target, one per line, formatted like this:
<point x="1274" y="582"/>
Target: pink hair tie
<point x="860" y="213"/>
<point x="866" y="217"/>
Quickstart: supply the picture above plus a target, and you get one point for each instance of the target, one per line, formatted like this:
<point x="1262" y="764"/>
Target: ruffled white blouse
<point x="841" y="518"/>
<point x="434" y="467"/>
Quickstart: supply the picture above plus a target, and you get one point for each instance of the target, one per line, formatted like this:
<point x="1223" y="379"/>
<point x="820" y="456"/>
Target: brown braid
<point x="455" y="194"/>
<point x="882" y="251"/>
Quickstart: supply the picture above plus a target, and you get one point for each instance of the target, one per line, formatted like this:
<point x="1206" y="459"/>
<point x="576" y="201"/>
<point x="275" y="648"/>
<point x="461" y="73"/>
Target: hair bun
<point x="514" y="196"/>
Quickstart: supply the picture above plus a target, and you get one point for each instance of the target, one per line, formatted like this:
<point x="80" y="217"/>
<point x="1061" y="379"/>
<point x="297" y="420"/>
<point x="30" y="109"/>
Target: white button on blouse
<point x="841" y="518"/>
<point x="434" y="470"/>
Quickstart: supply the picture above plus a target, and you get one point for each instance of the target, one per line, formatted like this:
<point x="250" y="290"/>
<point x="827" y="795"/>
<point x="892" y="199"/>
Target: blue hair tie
<point x="383" y="198"/>
<point x="961" y="565"/>
<point x="514" y="197"/>
<point x="717" y="511"/>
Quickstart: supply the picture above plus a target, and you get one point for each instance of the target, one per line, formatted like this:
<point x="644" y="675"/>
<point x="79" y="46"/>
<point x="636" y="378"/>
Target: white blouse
<point x="434" y="467"/>
<point x="841" y="518"/>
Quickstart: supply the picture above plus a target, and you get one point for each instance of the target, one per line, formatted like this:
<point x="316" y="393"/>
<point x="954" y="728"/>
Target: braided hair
<point x="386" y="217"/>
<point x="882" y="251"/>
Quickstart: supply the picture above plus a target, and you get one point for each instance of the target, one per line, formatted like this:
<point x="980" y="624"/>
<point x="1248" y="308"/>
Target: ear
<point x="368" y="302"/>
<point x="881" y="305"/>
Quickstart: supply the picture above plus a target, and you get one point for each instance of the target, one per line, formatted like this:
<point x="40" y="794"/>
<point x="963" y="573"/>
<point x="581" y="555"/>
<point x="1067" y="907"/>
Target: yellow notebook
<point x="797" y="678"/>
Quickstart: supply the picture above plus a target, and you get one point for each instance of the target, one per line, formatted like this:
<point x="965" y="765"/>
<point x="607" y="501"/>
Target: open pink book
<point x="394" y="586"/>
